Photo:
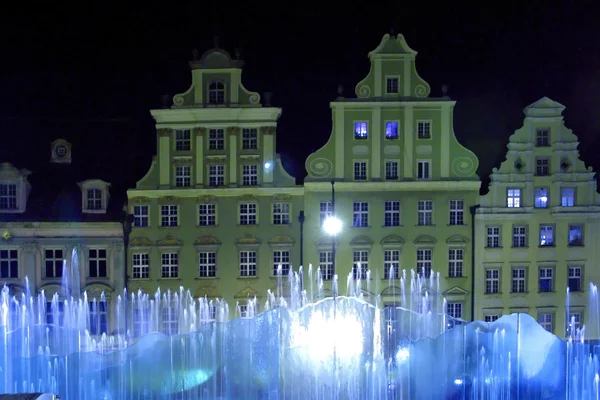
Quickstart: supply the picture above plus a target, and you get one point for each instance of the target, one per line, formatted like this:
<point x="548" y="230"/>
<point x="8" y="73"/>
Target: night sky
<point x="98" y="70"/>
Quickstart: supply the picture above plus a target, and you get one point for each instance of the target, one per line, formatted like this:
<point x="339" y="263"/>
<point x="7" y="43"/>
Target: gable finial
<point x="392" y="32"/>
<point x="340" y="90"/>
<point x="238" y="53"/>
<point x="216" y="42"/>
<point x="195" y="54"/>
<point x="444" y="90"/>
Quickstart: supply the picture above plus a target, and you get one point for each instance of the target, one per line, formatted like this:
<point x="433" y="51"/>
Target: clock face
<point x="61" y="151"/>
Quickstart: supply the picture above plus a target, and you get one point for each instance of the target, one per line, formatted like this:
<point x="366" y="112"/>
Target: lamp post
<point x="332" y="226"/>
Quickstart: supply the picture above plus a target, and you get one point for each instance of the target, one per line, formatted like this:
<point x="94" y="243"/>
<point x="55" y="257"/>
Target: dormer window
<point x="216" y="92"/>
<point x="14" y="189"/>
<point x="94" y="199"/>
<point x="8" y="196"/>
<point x="392" y="85"/>
<point x="94" y="196"/>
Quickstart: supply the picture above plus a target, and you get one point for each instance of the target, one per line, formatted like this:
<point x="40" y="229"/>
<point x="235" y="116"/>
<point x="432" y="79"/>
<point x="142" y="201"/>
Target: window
<point x="455" y="263"/>
<point x="55" y="315"/>
<point x="492" y="281"/>
<point x="519" y="280"/>
<point x="519" y="237"/>
<point x="575" y="235"/>
<point x="567" y="197"/>
<point x="513" y="198"/>
<point x="575" y="282"/>
<point x="8" y="196"/>
<point x="361" y="214"/>
<point x="424" y="129"/>
<point x="169" y="265"/>
<point x="392" y="213"/>
<point x="98" y="317"/>
<point x="141" y="266"/>
<point x="216" y="139"/>
<point x="542" y="137"/>
<point x="546" y="281"/>
<point x="491" y="318"/>
<point x="170" y="320"/>
<point x="207" y="264"/>
<point x="247" y="263"/>
<point x="216" y="175"/>
<point x="391" y="264"/>
<point x="425" y="212"/>
<point x="207" y="214"/>
<point x="141" y="320"/>
<point x="546" y="235"/>
<point x="9" y="264"/>
<point x="361" y="130"/>
<point x="53" y="259"/>
<point x="391" y="85"/>
<point x="573" y="323"/>
<point x="457" y="212"/>
<point x="424" y="262"/>
<point x="546" y="321"/>
<point x="183" y="140"/>
<point x="454" y="309"/>
<point x="493" y="236"/>
<point x="326" y="265"/>
<point x="281" y="213"/>
<point x="249" y="175"/>
<point x="183" y="176"/>
<point x="216" y="93"/>
<point x="424" y="170"/>
<point x="98" y="263"/>
<point x="391" y="170"/>
<point x="249" y="139"/>
<point x="360" y="170"/>
<point x="248" y="214"/>
<point x="168" y="215"/>
<point x="281" y="259"/>
<point x="360" y="266"/>
<point x="541" y="198"/>
<point x="325" y="210"/>
<point x="542" y="166"/>
<point x="244" y="310"/>
<point x="93" y="199"/>
<point x="391" y="130"/>
<point x="140" y="216"/>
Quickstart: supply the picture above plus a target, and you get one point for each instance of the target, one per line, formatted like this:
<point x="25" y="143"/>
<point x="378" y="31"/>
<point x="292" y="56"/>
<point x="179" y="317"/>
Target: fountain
<point x="303" y="346"/>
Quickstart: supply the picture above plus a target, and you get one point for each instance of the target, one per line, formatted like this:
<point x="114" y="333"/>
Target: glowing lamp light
<point x="268" y="165"/>
<point x="543" y="199"/>
<point x="332" y="225"/>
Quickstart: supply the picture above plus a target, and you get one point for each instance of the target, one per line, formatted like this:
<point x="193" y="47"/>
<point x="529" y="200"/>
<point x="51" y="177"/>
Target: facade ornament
<point x="282" y="197"/>
<point x="207" y="240"/>
<point x="248" y="197"/>
<point x="165" y="132"/>
<point x="207" y="199"/>
<point x="140" y="241"/>
<point x="268" y="130"/>
<point x="168" y="199"/>
<point x="281" y="238"/>
<point x="248" y="239"/>
<point x="139" y="200"/>
<point x="6" y="235"/>
<point x="168" y="241"/>
<point x="233" y="130"/>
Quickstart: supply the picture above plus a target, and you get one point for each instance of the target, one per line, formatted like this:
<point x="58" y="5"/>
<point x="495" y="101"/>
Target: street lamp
<point x="332" y="227"/>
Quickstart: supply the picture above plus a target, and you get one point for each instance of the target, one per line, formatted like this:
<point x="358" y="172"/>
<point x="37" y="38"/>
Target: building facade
<point x="216" y="213"/>
<point x="535" y="228"/>
<point x="403" y="186"/>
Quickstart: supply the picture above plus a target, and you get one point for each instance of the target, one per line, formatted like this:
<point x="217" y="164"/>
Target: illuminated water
<point x="303" y="346"/>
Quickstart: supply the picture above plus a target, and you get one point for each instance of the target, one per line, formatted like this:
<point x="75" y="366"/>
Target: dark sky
<point x="83" y="65"/>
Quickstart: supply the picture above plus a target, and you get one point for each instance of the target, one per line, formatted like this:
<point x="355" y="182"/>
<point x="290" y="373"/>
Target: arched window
<point x="216" y="93"/>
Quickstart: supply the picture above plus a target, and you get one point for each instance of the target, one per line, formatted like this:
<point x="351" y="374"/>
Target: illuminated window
<point x="567" y="197"/>
<point x="361" y="130"/>
<point x="546" y="235"/>
<point x="541" y="198"/>
<point x="575" y="235"/>
<point x="513" y="198"/>
<point x="391" y="130"/>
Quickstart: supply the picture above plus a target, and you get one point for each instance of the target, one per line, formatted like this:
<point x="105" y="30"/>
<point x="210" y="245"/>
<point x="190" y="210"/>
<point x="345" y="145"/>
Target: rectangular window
<point x="360" y="170"/>
<point x="424" y="262"/>
<point x="361" y="214"/>
<point x="141" y="216"/>
<point x="216" y="139"/>
<point x="567" y="197"/>
<point x="55" y="315"/>
<point x="141" y="320"/>
<point x="249" y="139"/>
<point x="391" y="130"/>
<point x="9" y="264"/>
<point x="207" y="264"/>
<point x="573" y="324"/>
<point x="183" y="176"/>
<point x="542" y="137"/>
<point x="169" y="265"/>
<point x="546" y="235"/>
<point x="546" y="280"/>
<point x="454" y="309"/>
<point x="360" y="266"/>
<point x="325" y="210"/>
<point x="575" y="282"/>
<point x="391" y="170"/>
<point x="491" y="318"/>
<point x="513" y="198"/>
<point x="492" y="281"/>
<point x="493" y="236"/>
<point x="391" y="264"/>
<point x="53" y="260"/>
<point x="423" y="129"/>
<point x="94" y="199"/>
<point x="216" y="175"/>
<point x="519" y="280"/>
<point x="169" y="215"/>
<point x="326" y="265"/>
<point x="97" y="263"/>
<point x="247" y="213"/>
<point x="247" y="263"/>
<point x="424" y="170"/>
<point x="541" y="198"/>
<point x="542" y="166"/>
<point x="391" y="85"/>
<point x="361" y="130"/>
<point x="170" y="320"/>
<point x="98" y="317"/>
<point x="519" y="238"/>
<point x="249" y="175"/>
<point x="546" y="320"/>
<point x="207" y="214"/>
<point x="183" y="140"/>
<point x="141" y="266"/>
<point x="281" y="213"/>
<point x="425" y="212"/>
<point x="455" y="263"/>
<point x="8" y="196"/>
<point x="457" y="212"/>
<point x="392" y="213"/>
<point x="281" y="262"/>
<point x="575" y="235"/>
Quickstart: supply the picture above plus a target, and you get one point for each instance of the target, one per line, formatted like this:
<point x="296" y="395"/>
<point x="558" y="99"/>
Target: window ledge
<point x="206" y="278"/>
<point x="392" y="226"/>
<point x="519" y="247"/>
<point x="497" y="247"/>
<point x="168" y="279"/>
<point x="365" y="226"/>
<point x="493" y="294"/>
<point x="463" y="225"/>
<point x="168" y="227"/>
<point x="433" y="225"/>
<point x="206" y="226"/>
<point x="390" y="279"/>
<point x="247" y="225"/>
<point x="247" y="277"/>
<point x="549" y="292"/>
<point x="575" y="246"/>
<point x="456" y="277"/>
<point x="547" y="246"/>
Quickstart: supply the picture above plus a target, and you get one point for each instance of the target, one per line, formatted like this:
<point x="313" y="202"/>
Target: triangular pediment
<point x="544" y="107"/>
<point x="457" y="239"/>
<point x="210" y="292"/>
<point x="455" y="291"/>
<point x="425" y="239"/>
<point x="361" y="241"/>
<point x="140" y="242"/>
<point x="281" y="239"/>
<point x="391" y="291"/>
<point x="392" y="240"/>
<point x="246" y="293"/>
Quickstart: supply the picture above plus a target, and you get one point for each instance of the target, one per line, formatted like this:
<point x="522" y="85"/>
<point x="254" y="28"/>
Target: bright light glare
<point x="458" y="382"/>
<point x="332" y="225"/>
<point x="268" y="165"/>
<point x="402" y="355"/>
